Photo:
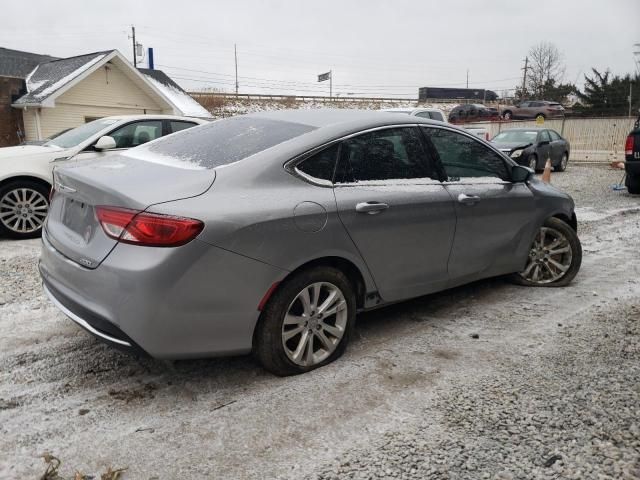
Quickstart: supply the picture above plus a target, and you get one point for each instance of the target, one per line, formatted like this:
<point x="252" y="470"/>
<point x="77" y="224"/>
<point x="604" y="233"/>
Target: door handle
<point x="371" y="207"/>
<point x="468" y="199"/>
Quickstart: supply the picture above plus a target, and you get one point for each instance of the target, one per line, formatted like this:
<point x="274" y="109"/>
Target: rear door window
<point x="554" y="135"/>
<point x="382" y="155"/>
<point x="177" y="125"/>
<point x="437" y="116"/>
<point x="544" y="136"/>
<point x="137" y="133"/>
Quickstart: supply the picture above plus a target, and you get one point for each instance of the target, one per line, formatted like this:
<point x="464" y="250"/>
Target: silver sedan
<point x="269" y="232"/>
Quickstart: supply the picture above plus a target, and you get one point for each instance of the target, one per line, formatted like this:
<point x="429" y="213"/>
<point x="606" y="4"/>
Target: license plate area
<point x="77" y="216"/>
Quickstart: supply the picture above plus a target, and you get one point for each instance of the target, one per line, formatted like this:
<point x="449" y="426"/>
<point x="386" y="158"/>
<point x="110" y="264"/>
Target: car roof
<point x="522" y="129"/>
<point x="151" y="116"/>
<point x="337" y="117"/>
<point x="411" y="109"/>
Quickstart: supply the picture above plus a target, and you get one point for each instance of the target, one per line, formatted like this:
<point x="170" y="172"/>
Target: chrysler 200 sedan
<point x="268" y="232"/>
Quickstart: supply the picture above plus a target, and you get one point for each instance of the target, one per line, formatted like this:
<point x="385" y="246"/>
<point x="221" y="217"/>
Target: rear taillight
<point x="147" y="229"/>
<point x="628" y="145"/>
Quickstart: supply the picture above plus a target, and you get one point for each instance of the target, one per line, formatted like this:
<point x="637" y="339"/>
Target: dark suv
<point x="632" y="159"/>
<point x="473" y="112"/>
<point x="533" y="109"/>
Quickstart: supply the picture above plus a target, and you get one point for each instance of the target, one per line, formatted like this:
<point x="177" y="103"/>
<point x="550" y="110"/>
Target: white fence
<point x="591" y="139"/>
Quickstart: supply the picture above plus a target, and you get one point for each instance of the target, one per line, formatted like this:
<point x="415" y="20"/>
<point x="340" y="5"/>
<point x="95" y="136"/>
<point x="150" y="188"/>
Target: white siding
<point x="105" y="92"/>
<point x="29" y="119"/>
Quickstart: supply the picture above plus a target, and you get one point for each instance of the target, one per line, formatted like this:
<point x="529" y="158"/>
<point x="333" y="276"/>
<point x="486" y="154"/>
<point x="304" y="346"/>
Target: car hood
<point x="22" y="151"/>
<point x="511" y="146"/>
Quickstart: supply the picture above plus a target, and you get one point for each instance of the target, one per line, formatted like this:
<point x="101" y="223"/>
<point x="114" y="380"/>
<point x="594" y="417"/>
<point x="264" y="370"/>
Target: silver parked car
<point x="268" y="232"/>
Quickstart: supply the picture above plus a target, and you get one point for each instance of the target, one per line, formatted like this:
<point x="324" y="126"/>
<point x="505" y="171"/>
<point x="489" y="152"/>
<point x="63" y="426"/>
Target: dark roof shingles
<point x="14" y="63"/>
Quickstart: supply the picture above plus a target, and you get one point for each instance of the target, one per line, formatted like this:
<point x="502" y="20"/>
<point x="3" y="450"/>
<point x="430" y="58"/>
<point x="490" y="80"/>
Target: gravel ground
<point x="489" y="380"/>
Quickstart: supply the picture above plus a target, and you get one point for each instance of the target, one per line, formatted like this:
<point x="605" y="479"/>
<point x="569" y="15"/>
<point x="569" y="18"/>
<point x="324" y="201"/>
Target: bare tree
<point x="546" y="67"/>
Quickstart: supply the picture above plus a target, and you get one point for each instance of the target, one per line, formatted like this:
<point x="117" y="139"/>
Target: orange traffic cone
<point x="546" y="175"/>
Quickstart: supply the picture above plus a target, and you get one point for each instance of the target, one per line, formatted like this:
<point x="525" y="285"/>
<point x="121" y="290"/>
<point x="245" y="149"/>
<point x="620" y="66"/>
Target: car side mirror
<point x="105" y="143"/>
<point x="520" y="173"/>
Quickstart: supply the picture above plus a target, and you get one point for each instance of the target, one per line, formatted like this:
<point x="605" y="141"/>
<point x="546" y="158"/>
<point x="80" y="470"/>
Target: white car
<point x="26" y="170"/>
<point x="437" y="114"/>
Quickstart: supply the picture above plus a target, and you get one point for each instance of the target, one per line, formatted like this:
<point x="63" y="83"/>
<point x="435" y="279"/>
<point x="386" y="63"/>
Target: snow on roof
<point x="48" y="77"/>
<point x="175" y="94"/>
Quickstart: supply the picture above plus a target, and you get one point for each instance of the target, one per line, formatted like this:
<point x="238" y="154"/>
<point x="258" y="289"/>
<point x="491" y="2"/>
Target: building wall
<point x="10" y="118"/>
<point x="105" y="92"/>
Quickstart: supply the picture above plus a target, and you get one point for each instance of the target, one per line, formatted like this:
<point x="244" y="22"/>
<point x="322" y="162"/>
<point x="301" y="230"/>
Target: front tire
<point x="555" y="257"/>
<point x="562" y="166"/>
<point x="23" y="208"/>
<point x="540" y="116"/>
<point x="507" y="115"/>
<point x="307" y="323"/>
<point x="533" y="162"/>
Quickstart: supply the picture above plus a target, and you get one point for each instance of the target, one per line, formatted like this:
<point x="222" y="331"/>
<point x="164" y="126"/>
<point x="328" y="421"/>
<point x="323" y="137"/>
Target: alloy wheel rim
<point x="23" y="210"/>
<point x="563" y="161"/>
<point x="549" y="258"/>
<point x="533" y="163"/>
<point x="314" y="324"/>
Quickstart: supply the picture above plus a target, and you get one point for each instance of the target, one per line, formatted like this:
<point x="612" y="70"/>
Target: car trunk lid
<point x="72" y="226"/>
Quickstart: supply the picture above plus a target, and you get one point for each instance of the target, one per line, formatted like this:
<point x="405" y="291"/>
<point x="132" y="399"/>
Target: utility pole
<point x="133" y="36"/>
<point x="235" y="54"/>
<point x="524" y="77"/>
<point x="630" y="92"/>
<point x="467" y="78"/>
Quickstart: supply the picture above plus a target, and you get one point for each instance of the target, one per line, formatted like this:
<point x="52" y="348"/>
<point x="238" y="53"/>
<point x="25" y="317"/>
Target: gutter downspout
<point x="38" y="127"/>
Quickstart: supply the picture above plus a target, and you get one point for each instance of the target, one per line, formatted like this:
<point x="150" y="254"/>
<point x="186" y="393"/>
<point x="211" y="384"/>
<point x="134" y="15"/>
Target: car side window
<point x="137" y="133"/>
<point x="544" y="136"/>
<point x="437" y="116"/>
<point x="524" y="104"/>
<point x="465" y="157"/>
<point x="389" y="154"/>
<point x="321" y="165"/>
<point x="177" y="125"/>
<point x="554" y="135"/>
<point x="423" y="115"/>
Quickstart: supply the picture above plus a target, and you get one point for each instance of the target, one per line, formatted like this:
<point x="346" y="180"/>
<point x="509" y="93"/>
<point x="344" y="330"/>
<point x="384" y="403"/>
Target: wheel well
<point x="345" y="266"/>
<point x="26" y="178"/>
<point x="572" y="222"/>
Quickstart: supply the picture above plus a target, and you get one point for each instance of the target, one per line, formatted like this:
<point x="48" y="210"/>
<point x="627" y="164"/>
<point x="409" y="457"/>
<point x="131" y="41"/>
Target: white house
<point x="64" y="93"/>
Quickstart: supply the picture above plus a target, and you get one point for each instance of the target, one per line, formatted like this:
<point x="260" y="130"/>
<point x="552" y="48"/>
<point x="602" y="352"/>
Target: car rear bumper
<point x="191" y="301"/>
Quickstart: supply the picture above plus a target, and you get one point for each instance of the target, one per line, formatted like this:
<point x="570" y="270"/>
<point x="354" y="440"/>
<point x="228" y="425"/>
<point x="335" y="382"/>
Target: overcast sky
<point x="373" y="47"/>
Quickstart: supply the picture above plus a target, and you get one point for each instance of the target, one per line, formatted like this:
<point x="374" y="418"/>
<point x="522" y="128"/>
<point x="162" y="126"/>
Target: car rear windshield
<point x="513" y="136"/>
<point x="221" y="142"/>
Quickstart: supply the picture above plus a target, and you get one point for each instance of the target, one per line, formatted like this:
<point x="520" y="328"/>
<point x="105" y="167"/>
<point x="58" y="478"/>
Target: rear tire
<point x="562" y="166"/>
<point x="507" y="115"/>
<point x="633" y="184"/>
<point x="539" y="116"/>
<point x="288" y="330"/>
<point x="23" y="208"/>
<point x="553" y="269"/>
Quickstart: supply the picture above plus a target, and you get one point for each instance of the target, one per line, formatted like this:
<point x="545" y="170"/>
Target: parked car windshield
<point x="513" y="136"/>
<point x="78" y="135"/>
<point x="221" y="142"/>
